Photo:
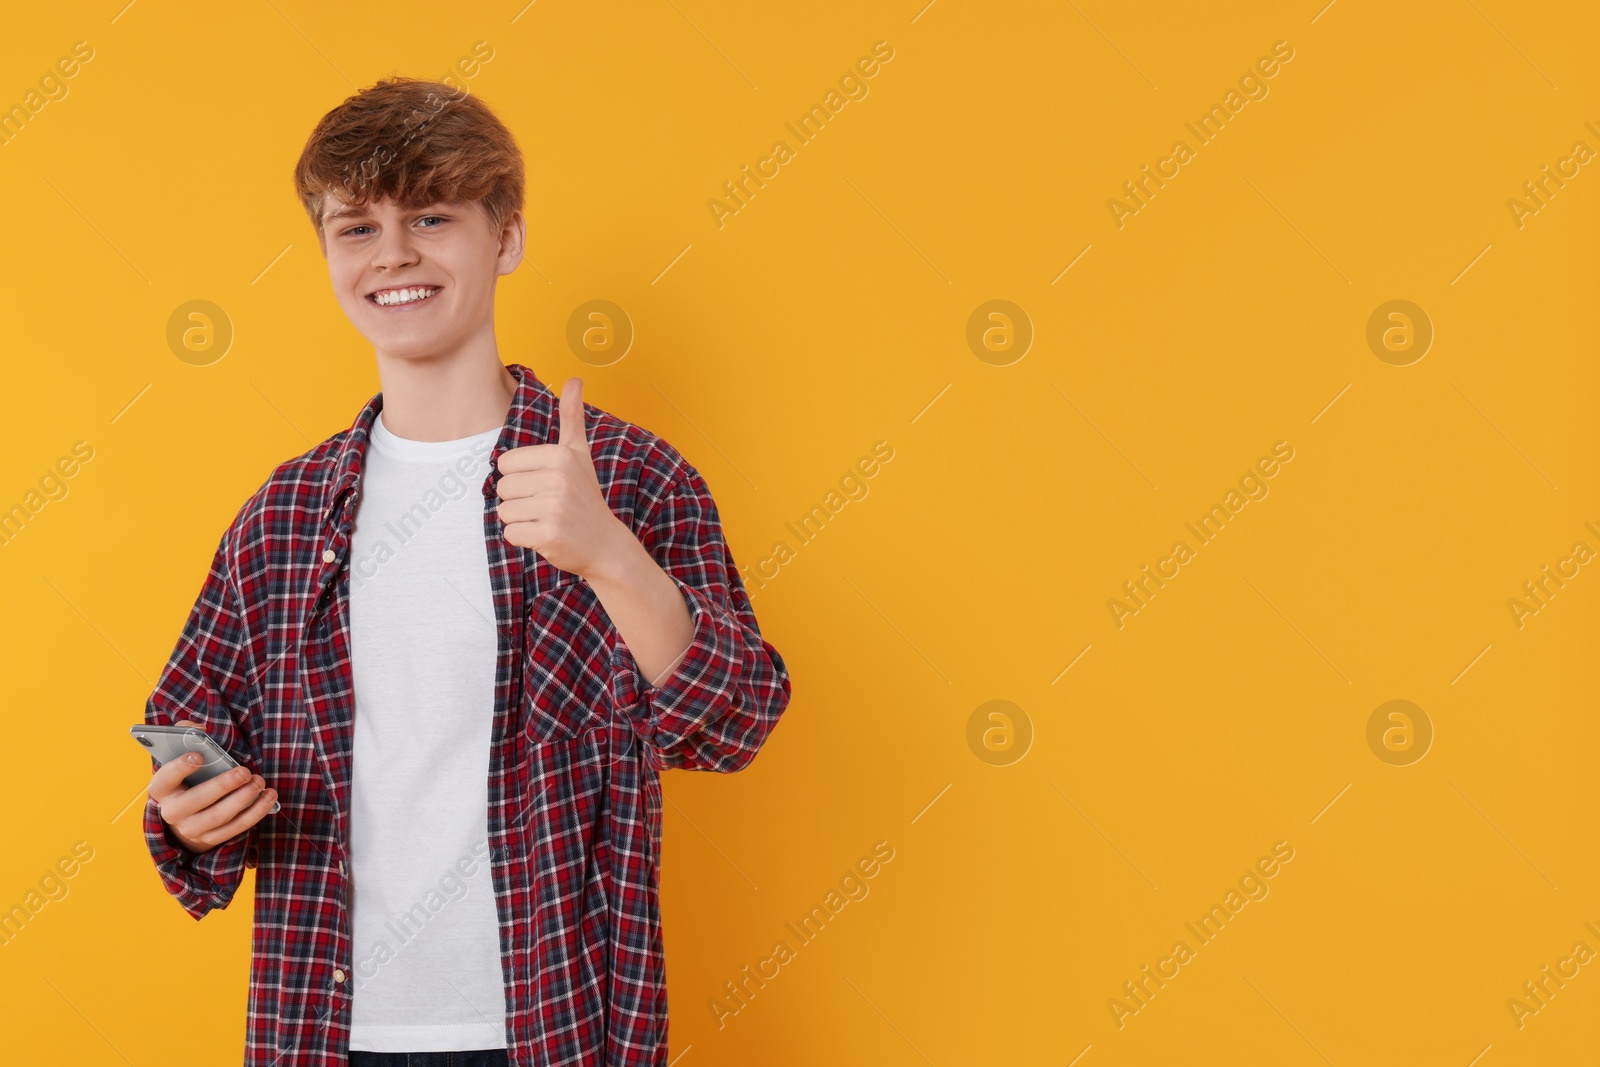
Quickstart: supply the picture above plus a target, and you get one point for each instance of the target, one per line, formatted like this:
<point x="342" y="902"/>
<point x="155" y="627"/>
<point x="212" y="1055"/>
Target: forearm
<point x="703" y="689"/>
<point x="646" y="607"/>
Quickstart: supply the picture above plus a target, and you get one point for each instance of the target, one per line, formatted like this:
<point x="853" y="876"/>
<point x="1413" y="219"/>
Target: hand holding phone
<point x="218" y="802"/>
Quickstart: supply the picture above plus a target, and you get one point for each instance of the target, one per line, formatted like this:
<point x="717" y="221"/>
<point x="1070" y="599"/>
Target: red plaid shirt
<point x="579" y="739"/>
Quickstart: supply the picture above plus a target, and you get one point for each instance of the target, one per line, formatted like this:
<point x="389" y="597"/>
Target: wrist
<point x="175" y="836"/>
<point x="667" y="671"/>
<point x="622" y="561"/>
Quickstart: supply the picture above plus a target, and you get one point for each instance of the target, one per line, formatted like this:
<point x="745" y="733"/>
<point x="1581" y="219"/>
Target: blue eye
<point x="363" y="226"/>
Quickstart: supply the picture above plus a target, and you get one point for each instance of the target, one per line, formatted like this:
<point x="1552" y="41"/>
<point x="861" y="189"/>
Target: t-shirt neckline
<point x="385" y="439"/>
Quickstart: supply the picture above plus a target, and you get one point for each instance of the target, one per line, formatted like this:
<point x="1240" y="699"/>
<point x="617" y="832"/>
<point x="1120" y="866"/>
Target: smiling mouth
<point x="405" y="297"/>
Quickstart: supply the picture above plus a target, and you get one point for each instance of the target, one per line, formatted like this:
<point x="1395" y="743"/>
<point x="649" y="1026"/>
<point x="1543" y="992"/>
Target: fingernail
<point x="193" y="757"/>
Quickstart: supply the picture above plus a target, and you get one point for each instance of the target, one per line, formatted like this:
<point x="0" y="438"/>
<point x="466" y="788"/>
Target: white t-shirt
<point x="426" y="936"/>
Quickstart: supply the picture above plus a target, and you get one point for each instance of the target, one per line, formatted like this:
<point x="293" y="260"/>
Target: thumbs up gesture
<point x="550" y="498"/>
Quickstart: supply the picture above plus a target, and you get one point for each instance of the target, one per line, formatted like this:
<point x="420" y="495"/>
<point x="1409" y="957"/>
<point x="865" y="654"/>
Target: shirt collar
<point x="528" y="422"/>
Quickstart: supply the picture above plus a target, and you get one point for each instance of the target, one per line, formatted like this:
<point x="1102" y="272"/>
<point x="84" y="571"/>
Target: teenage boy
<point x="463" y="705"/>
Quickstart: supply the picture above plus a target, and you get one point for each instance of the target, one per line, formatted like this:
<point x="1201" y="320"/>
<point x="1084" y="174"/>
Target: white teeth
<point x="403" y="296"/>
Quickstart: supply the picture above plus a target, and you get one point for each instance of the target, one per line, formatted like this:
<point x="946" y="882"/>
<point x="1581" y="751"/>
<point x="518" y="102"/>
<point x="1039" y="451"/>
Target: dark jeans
<point x="488" y="1057"/>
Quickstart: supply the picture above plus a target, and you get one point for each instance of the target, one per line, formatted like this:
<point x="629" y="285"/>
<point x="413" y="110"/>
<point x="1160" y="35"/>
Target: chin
<point x="411" y="351"/>
<point x="402" y="344"/>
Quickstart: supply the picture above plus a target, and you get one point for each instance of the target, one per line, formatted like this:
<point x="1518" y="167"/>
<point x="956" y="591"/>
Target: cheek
<point x="342" y="279"/>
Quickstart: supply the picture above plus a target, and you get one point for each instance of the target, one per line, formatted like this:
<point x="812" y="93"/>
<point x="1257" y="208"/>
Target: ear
<point x="513" y="239"/>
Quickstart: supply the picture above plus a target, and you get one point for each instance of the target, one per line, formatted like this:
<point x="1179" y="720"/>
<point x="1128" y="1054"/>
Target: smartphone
<point x="168" y="743"/>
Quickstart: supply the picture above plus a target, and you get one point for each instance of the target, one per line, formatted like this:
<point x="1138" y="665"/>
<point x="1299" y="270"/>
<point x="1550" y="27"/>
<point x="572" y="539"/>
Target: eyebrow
<point x="362" y="212"/>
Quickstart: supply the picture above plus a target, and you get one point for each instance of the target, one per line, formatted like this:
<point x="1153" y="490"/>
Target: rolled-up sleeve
<point x="206" y="681"/>
<point x="718" y="705"/>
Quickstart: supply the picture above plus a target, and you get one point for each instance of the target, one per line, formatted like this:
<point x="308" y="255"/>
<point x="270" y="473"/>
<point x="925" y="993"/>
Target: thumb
<point x="574" y="432"/>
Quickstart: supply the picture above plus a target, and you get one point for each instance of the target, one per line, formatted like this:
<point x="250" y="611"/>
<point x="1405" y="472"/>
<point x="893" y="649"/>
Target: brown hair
<point x="413" y="142"/>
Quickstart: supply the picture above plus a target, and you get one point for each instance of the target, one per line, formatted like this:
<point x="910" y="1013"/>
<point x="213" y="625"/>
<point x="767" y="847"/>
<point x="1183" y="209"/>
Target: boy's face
<point x="445" y="249"/>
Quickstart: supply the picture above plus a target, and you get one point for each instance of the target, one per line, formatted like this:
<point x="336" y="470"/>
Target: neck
<point x="445" y="398"/>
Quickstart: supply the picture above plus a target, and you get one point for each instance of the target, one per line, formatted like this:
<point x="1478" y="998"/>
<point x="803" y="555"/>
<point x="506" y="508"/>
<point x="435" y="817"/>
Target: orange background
<point x="831" y="312"/>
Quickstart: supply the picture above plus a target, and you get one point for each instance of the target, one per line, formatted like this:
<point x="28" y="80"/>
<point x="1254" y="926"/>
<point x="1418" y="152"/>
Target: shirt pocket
<point x="566" y="664"/>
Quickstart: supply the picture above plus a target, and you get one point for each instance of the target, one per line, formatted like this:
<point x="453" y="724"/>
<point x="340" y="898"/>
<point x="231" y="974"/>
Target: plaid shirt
<point x="578" y="741"/>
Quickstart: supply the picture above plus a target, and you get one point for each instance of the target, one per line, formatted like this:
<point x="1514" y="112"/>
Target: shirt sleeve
<point x="717" y="706"/>
<point x="206" y="681"/>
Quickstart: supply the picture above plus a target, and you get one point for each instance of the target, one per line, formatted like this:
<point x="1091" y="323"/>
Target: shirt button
<point x="338" y="974"/>
<point x="327" y="555"/>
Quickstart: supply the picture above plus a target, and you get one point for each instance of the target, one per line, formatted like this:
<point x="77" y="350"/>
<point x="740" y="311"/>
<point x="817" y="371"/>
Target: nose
<point x="395" y="248"/>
